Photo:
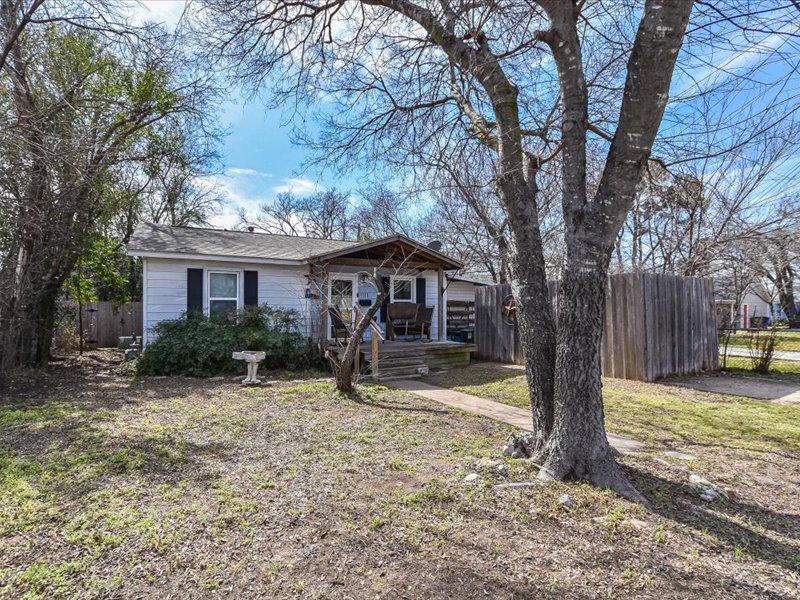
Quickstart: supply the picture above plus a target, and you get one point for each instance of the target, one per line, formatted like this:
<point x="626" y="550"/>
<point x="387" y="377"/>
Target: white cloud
<point x="239" y="171"/>
<point x="731" y="63"/>
<point x="297" y="185"/>
<point x="241" y="188"/>
<point x="166" y="12"/>
<point x="244" y="189"/>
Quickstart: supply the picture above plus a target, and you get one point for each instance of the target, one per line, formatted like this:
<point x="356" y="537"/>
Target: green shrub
<point x="201" y="346"/>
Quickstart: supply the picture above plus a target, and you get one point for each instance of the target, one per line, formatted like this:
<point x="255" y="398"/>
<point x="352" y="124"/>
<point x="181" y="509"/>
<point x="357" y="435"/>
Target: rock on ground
<point x="705" y="489"/>
<point x="519" y="446"/>
<point x="472" y="479"/>
<point x="489" y="465"/>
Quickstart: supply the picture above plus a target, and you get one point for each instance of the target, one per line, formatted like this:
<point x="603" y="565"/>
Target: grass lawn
<point x="114" y="486"/>
<point x="777" y="368"/>
<point x="787" y="340"/>
<point x="661" y="415"/>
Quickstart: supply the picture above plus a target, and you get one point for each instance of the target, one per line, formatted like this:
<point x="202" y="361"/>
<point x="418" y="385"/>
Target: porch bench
<point x="422" y="322"/>
<point x="402" y="314"/>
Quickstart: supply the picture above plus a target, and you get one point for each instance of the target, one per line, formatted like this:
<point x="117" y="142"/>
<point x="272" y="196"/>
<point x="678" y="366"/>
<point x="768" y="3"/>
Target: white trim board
<point x="218" y="258"/>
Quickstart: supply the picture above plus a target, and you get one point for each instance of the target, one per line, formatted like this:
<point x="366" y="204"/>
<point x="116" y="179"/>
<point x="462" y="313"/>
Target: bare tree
<point x="529" y="84"/>
<point x="18" y="15"/>
<point x="465" y="236"/>
<point x="325" y="214"/>
<point x="380" y="211"/>
<point x="344" y="358"/>
<point x="683" y="219"/>
<point x="780" y="261"/>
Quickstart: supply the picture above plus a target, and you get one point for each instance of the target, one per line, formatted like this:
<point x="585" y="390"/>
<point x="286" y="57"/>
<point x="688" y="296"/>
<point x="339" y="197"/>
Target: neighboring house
<point x="212" y="270"/>
<point x="757" y="302"/>
<point x="462" y="287"/>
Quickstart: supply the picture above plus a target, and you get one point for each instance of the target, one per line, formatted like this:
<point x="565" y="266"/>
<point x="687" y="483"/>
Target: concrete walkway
<point x="517" y="417"/>
<point x="779" y="354"/>
<point x="778" y="391"/>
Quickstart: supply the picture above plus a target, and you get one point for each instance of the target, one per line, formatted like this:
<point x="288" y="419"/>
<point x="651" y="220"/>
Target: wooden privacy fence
<point x="105" y="322"/>
<point x="655" y="325"/>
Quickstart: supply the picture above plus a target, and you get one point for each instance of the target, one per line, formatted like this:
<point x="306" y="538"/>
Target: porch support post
<point x="374" y="358"/>
<point x="440" y="303"/>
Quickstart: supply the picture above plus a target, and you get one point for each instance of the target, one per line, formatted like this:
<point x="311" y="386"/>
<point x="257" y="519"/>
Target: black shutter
<point x="194" y="290"/>
<point x="421" y="291"/>
<point x="251" y="288"/>
<point x="382" y="313"/>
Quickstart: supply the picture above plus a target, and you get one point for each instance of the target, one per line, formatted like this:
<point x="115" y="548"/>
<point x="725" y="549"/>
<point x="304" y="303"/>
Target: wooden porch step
<point x="386" y="362"/>
<point x="403" y="371"/>
<point x="397" y="350"/>
<point x="398" y="377"/>
<point x="402" y="359"/>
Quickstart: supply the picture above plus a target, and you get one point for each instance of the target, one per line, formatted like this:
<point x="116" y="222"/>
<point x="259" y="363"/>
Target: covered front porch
<point x="403" y="285"/>
<point x="405" y="277"/>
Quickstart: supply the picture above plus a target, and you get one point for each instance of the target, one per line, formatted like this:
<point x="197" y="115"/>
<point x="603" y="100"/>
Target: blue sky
<point x="259" y="159"/>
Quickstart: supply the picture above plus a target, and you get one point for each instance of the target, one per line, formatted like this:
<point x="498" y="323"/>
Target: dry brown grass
<point x="114" y="486"/>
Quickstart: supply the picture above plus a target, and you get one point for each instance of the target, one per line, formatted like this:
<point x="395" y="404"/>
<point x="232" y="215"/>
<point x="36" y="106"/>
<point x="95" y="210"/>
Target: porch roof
<point x="393" y="249"/>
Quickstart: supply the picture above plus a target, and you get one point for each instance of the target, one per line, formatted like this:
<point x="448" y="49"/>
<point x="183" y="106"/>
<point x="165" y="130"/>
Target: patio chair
<point x="422" y="322"/>
<point x="338" y="327"/>
<point x="402" y="314"/>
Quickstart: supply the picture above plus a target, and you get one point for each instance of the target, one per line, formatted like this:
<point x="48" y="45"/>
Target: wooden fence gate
<point x="105" y="322"/>
<point x="655" y="325"/>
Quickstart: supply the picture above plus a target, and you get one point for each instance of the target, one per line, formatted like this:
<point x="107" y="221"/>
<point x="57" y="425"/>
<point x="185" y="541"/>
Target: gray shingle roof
<point x="151" y="238"/>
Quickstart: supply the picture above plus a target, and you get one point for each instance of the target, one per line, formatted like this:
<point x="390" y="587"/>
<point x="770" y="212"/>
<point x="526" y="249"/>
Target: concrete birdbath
<point x="252" y="358"/>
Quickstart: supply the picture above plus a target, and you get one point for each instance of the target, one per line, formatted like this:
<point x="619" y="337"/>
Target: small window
<point x="223" y="293"/>
<point x="402" y="290"/>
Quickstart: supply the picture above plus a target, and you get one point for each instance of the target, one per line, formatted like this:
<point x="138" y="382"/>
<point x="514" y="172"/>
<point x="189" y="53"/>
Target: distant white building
<point x="758" y="302"/>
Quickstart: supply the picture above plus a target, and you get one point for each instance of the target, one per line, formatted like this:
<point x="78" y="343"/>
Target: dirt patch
<point x="130" y="487"/>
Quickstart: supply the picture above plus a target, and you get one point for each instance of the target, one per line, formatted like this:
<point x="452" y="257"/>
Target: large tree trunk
<point x="784" y="282"/>
<point x="578" y="447"/>
<point x="533" y="307"/>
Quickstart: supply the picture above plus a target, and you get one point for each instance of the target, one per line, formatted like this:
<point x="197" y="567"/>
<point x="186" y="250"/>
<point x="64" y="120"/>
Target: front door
<point x="340" y="300"/>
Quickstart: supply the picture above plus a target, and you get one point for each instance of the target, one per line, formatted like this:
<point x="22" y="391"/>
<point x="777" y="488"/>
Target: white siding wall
<point x="461" y="291"/>
<point x="164" y="288"/>
<point x="756" y="307"/>
<point x="431" y="299"/>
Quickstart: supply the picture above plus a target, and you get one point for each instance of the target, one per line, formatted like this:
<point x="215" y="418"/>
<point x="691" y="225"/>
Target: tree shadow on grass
<point x="360" y="397"/>
<point x="722" y="519"/>
<point x="476" y="374"/>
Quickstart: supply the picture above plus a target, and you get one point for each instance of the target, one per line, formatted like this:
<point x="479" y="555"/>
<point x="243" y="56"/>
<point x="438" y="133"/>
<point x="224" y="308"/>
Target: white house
<point x="212" y="270"/>
<point x="757" y="302"/>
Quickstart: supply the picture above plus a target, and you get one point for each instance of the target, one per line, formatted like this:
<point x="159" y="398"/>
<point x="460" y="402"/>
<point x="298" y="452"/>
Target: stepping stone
<point x="680" y="455"/>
